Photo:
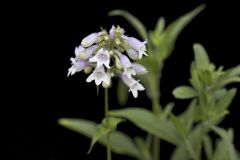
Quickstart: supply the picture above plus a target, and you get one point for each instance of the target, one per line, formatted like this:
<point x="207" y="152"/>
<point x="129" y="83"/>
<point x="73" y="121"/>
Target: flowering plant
<point x="188" y="131"/>
<point x="97" y="50"/>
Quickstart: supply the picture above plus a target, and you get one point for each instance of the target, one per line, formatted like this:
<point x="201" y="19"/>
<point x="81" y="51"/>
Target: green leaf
<point x="167" y="111"/>
<point x="122" y="93"/>
<point x="192" y="113"/>
<point x="235" y="71"/>
<point x="201" y="57"/>
<point x="108" y="125"/>
<point x="208" y="147"/>
<point x="140" y="28"/>
<point x="184" y="92"/>
<point x="156" y="35"/>
<point x="180" y="153"/>
<point x="227" y="143"/>
<point x="101" y="131"/>
<point x="120" y="142"/>
<point x="174" y="29"/>
<point x="143" y="148"/>
<point x="186" y="150"/>
<point x="147" y="121"/>
<point x="160" y="26"/>
<point x="225" y="81"/>
<point x="226" y="100"/>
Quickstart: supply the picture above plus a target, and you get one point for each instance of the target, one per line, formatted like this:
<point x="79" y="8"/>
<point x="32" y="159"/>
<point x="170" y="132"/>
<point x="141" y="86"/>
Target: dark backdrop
<point x="42" y="38"/>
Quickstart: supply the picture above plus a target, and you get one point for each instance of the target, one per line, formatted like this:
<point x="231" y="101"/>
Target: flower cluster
<point x="104" y="52"/>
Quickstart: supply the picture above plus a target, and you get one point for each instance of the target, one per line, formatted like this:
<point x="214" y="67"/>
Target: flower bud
<point x="85" y="54"/>
<point x="139" y="69"/>
<point x="87" y="70"/>
<point x="90" y="39"/>
<point x="117" y="41"/>
<point x="118" y="62"/>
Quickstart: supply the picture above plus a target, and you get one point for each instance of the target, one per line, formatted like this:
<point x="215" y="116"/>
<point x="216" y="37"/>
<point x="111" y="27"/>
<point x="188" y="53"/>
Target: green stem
<point x="154" y="87"/>
<point x="107" y="123"/>
<point x="156" y="148"/>
<point x="199" y="145"/>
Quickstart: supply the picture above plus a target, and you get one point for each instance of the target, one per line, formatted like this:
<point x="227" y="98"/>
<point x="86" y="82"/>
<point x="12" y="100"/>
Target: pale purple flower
<point x="132" y="53"/>
<point x="77" y="66"/>
<point x="134" y="86"/>
<point x="127" y="65"/>
<point x="87" y="53"/>
<point x="137" y="45"/>
<point x="90" y="39"/>
<point x="139" y="69"/>
<point x="78" y="50"/>
<point x="99" y="75"/>
<point x="111" y="32"/>
<point x="102" y="57"/>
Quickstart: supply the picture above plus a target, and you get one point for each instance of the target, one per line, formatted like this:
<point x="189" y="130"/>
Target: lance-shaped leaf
<point x="120" y="142"/>
<point x="140" y="28"/>
<point x="145" y="150"/>
<point x="201" y="57"/>
<point x="208" y="147"/>
<point x="175" y="28"/>
<point x="147" y="121"/>
<point x="226" y="100"/>
<point x="226" y="145"/>
<point x="184" y="92"/>
<point x="232" y="72"/>
<point x="107" y="125"/>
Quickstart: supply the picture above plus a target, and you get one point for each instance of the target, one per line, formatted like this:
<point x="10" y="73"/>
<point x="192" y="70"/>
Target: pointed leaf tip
<point x="201" y="57"/>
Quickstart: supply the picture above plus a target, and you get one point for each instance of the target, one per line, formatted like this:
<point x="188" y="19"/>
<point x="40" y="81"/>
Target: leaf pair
<point x="120" y="142"/>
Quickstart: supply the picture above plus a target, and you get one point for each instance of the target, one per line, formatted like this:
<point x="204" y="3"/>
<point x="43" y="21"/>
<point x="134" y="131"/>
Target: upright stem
<point x="107" y="123"/>
<point x="156" y="110"/>
<point x="199" y="145"/>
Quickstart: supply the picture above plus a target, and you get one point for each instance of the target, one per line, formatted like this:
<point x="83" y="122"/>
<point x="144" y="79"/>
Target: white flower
<point x="126" y="63"/>
<point x="134" y="86"/>
<point x="77" y="66"/>
<point x="87" y="53"/>
<point x="137" y="45"/>
<point x="139" y="69"/>
<point x="99" y="75"/>
<point x="78" y="50"/>
<point x="132" y="53"/>
<point x="101" y="57"/>
<point x="90" y="39"/>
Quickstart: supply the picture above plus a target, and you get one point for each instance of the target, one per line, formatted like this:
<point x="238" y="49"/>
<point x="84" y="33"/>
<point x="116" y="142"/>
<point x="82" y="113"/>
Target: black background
<point x="42" y="38"/>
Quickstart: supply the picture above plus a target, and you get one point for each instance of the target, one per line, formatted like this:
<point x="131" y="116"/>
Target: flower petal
<point x="134" y="92"/>
<point x="132" y="53"/>
<point x="78" y="50"/>
<point x="91" y="77"/>
<point x="90" y="39"/>
<point x="139" y="69"/>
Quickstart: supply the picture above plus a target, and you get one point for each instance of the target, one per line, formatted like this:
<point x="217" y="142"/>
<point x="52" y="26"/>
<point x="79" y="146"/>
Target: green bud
<point x="111" y="53"/>
<point x="117" y="62"/>
<point x="87" y="70"/>
<point x="104" y="85"/>
<point x="112" y="74"/>
<point x="117" y="41"/>
<point x="106" y="37"/>
<point x="120" y="48"/>
<point x="125" y="44"/>
<point x="99" y="39"/>
<point x="82" y="56"/>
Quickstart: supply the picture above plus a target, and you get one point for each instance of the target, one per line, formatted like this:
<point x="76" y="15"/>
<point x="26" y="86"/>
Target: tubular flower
<point x="109" y="55"/>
